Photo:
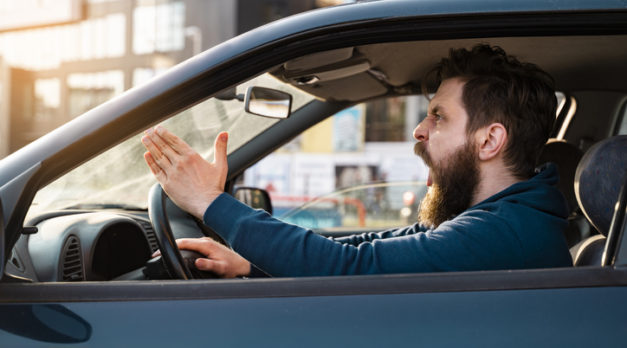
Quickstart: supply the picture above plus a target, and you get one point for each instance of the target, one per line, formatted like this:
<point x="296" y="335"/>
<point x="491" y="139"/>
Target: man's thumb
<point x="219" y="157"/>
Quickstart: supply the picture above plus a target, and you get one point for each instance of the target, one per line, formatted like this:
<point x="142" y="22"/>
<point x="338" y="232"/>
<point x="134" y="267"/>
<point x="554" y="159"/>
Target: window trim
<point x="582" y="277"/>
<point x="621" y="119"/>
<point x="565" y="116"/>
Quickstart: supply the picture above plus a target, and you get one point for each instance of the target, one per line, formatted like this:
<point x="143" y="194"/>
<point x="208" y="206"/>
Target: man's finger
<point x="195" y="244"/>
<point x="219" y="156"/>
<point x="210" y="265"/>
<point x="154" y="167"/>
<point x="165" y="148"/>
<point x="157" y="155"/>
<point x="176" y="143"/>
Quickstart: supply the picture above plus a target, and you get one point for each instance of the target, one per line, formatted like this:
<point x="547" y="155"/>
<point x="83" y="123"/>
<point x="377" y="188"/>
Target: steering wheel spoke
<point x="176" y="265"/>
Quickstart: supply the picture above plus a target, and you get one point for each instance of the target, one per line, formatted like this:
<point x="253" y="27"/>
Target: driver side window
<point x="355" y="170"/>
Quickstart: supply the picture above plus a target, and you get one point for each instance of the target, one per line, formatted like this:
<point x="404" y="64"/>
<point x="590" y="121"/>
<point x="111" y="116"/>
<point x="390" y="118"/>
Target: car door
<point x="504" y="308"/>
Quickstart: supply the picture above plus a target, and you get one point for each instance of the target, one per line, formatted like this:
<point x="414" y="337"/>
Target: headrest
<point x="598" y="180"/>
<point x="566" y="156"/>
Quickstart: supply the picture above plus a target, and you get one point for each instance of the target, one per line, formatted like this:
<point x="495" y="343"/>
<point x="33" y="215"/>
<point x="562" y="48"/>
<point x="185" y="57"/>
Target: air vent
<point x="150" y="234"/>
<point x="72" y="266"/>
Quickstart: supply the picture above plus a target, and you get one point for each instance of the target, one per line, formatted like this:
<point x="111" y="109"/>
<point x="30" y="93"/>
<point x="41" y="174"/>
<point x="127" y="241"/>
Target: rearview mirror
<point x="268" y="102"/>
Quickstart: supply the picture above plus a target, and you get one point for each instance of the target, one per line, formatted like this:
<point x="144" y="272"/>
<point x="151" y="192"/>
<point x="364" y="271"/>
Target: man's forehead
<point x="449" y="91"/>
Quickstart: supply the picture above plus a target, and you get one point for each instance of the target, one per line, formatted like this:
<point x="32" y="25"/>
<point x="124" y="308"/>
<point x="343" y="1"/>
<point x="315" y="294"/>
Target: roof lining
<point x="575" y="62"/>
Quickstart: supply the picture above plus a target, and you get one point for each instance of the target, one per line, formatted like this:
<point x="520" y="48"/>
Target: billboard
<point x="23" y="14"/>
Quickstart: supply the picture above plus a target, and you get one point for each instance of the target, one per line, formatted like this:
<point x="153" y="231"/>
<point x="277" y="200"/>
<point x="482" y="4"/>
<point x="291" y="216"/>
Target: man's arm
<point x="357" y="239"/>
<point x="281" y="249"/>
<point x="477" y="241"/>
<point x="193" y="184"/>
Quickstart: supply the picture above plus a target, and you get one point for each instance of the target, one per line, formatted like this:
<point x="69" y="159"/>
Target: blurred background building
<point x="60" y="58"/>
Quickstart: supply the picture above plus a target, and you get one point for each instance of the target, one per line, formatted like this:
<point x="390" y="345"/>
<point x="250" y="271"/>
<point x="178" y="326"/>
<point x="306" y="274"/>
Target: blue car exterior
<point x="552" y="307"/>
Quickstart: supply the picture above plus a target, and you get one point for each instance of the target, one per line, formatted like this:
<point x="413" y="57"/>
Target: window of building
<point x="159" y="28"/>
<point x="48" y="97"/>
<point x="394" y="119"/>
<point x="88" y="90"/>
<point x="47" y="48"/>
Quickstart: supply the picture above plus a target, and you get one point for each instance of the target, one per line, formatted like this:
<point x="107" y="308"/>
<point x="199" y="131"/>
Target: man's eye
<point x="437" y="117"/>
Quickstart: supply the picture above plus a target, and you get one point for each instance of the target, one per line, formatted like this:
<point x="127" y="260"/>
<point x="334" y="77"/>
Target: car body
<point x="581" y="43"/>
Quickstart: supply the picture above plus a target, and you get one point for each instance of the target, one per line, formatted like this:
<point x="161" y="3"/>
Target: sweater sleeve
<point x="283" y="249"/>
<point x="371" y="236"/>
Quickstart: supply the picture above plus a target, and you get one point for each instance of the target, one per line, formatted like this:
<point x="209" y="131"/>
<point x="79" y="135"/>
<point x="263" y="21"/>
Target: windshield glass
<point x="119" y="178"/>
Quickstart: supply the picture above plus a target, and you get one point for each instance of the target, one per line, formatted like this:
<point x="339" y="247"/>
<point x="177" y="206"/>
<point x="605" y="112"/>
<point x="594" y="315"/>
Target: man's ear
<point x="491" y="140"/>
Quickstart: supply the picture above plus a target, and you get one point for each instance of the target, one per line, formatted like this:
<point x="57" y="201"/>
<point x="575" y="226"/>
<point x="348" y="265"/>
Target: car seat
<point x="567" y="156"/>
<point x="599" y="184"/>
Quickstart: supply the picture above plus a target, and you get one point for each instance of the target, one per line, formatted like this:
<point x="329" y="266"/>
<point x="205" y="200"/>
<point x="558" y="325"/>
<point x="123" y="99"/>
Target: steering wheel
<point x="174" y="261"/>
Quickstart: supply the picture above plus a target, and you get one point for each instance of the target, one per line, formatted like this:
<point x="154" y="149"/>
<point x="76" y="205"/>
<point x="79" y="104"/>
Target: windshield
<point x="119" y="178"/>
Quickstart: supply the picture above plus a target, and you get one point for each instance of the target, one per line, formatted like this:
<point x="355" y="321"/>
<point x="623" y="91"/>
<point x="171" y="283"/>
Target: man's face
<point x="451" y="157"/>
<point x="443" y="131"/>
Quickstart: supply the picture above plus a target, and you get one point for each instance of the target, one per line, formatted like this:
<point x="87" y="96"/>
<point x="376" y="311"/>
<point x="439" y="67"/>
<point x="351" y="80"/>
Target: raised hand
<point x="188" y="179"/>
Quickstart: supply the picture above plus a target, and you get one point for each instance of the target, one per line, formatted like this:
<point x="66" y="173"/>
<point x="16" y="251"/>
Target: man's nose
<point x="421" y="132"/>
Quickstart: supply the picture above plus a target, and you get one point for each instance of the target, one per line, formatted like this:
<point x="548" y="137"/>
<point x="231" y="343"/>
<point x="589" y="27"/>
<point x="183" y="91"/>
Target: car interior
<point x="586" y="68"/>
<point x="590" y="71"/>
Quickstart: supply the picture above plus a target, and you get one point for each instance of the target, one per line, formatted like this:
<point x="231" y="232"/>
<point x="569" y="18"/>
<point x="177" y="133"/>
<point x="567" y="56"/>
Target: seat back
<point x="566" y="157"/>
<point x="600" y="175"/>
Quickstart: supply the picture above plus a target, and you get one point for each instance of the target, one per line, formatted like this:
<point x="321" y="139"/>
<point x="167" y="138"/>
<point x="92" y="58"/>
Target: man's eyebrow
<point x="436" y="109"/>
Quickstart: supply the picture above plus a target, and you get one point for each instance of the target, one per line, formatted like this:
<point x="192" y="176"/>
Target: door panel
<point x="513" y="318"/>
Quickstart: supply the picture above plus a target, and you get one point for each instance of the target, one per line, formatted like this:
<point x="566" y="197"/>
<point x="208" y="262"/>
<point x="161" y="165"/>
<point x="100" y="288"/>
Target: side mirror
<point x="254" y="197"/>
<point x="268" y="102"/>
<point x="45" y="322"/>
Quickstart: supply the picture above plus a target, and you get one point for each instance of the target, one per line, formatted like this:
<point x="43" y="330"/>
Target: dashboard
<point x="94" y="245"/>
<point x="78" y="246"/>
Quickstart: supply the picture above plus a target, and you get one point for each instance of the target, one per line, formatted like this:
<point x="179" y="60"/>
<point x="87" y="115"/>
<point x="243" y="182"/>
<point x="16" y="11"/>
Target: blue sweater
<point x="519" y="227"/>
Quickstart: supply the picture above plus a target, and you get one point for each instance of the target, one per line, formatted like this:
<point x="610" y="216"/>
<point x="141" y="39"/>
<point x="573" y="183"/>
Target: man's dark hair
<point x="499" y="88"/>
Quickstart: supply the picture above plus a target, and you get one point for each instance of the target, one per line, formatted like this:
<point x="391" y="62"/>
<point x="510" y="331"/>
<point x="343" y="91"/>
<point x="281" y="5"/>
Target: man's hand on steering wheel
<point x="220" y="260"/>
<point x="188" y="179"/>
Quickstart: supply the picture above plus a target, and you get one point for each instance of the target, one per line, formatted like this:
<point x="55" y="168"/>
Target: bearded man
<point x="487" y="206"/>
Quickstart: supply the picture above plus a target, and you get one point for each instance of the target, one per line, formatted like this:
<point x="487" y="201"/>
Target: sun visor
<point x="342" y="74"/>
<point x="318" y="59"/>
<point x="338" y="70"/>
<point x="352" y="88"/>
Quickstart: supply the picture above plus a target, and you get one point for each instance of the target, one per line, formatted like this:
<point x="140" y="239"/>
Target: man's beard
<point x="453" y="184"/>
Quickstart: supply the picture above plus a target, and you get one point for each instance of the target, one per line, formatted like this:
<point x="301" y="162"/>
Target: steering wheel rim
<point x="169" y="250"/>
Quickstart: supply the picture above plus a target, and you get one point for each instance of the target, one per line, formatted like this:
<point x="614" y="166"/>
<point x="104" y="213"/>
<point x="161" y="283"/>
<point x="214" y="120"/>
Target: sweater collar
<point x="546" y="175"/>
